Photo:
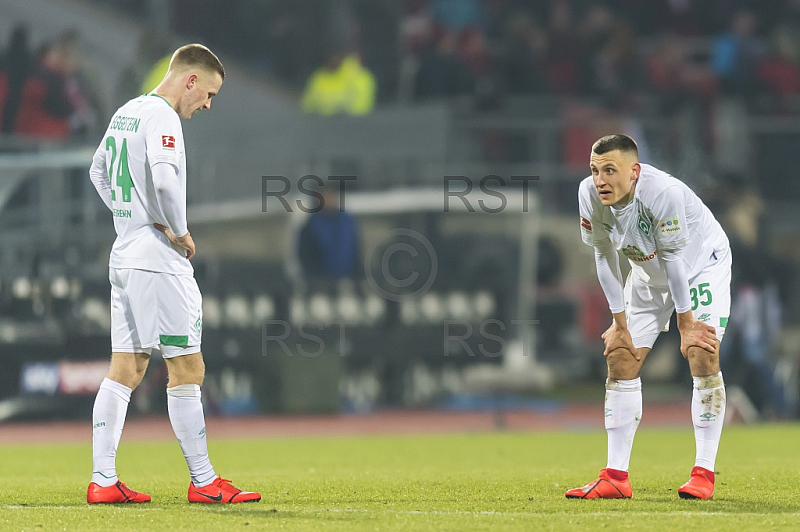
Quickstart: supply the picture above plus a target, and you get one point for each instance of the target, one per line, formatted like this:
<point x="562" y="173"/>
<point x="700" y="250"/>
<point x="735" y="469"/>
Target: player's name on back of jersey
<point x="125" y="123"/>
<point x="122" y="213"/>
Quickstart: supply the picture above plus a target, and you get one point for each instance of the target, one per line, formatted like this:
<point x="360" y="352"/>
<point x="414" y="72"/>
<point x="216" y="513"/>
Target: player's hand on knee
<point x="617" y="337"/>
<point x="698" y="334"/>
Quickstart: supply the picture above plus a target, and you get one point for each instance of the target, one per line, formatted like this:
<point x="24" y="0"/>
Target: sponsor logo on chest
<point x="637" y="255"/>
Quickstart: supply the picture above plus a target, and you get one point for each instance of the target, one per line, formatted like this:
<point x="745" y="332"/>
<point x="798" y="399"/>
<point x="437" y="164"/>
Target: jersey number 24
<point x="123" y="174"/>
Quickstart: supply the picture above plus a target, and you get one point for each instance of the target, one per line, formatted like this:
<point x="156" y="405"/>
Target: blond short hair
<point x="197" y="55"/>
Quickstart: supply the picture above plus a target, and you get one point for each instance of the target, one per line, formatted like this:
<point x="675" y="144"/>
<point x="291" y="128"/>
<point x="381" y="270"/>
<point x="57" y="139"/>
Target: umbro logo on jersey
<point x="168" y="142"/>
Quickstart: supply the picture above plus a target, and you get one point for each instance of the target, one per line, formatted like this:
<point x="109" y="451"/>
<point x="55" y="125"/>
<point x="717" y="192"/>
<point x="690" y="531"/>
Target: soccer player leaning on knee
<point x="139" y="171"/>
<point x="680" y="260"/>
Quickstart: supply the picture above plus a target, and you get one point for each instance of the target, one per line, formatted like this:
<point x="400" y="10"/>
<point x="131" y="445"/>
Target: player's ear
<point x="636" y="169"/>
<point x="191" y="81"/>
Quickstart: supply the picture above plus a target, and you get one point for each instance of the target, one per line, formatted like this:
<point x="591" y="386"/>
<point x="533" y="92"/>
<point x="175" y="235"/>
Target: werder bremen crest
<point x="643" y="222"/>
<point x="644" y="225"/>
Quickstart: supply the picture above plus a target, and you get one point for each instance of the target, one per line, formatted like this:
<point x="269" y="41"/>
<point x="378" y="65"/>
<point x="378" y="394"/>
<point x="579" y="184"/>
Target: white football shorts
<point x="648" y="309"/>
<point x="154" y="309"/>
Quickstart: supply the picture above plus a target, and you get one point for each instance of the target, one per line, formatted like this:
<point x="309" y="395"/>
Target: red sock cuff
<point x="616" y="474"/>
<point x="706" y="472"/>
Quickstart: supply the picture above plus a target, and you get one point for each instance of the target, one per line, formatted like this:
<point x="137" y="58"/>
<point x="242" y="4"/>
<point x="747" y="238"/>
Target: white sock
<point x="623" y="413"/>
<point x="188" y="422"/>
<point x="108" y="418"/>
<point x="708" y="413"/>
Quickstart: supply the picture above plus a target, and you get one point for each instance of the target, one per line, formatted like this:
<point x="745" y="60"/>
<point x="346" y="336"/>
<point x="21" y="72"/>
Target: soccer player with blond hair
<point x="139" y="170"/>
<point x="680" y="261"/>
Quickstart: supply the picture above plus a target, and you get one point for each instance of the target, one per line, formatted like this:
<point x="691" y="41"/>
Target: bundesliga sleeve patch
<point x="586" y="224"/>
<point x="168" y="142"/>
<point x="670" y="227"/>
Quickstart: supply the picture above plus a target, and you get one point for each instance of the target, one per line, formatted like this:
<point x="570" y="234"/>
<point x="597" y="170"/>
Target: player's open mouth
<point x="604" y="193"/>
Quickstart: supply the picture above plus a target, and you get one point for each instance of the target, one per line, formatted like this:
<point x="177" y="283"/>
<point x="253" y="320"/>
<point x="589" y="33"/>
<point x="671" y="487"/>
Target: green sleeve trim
<point x="177" y="341"/>
<point x="723" y="322"/>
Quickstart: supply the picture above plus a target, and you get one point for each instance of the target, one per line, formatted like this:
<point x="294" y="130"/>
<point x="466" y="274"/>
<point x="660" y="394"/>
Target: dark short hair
<point x="619" y="142"/>
<point x="197" y="55"/>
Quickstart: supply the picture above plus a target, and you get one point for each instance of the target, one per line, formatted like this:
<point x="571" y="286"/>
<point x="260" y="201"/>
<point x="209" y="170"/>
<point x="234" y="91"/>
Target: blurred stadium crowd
<point x="719" y="79"/>
<point x="616" y="52"/>
<point x="614" y="49"/>
<point x="46" y="93"/>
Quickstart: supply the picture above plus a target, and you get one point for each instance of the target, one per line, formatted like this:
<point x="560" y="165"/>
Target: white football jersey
<point x="144" y="131"/>
<point x="664" y="214"/>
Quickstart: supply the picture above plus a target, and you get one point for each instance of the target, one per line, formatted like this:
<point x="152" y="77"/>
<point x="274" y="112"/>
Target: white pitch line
<point x="78" y="507"/>
<point x="611" y="513"/>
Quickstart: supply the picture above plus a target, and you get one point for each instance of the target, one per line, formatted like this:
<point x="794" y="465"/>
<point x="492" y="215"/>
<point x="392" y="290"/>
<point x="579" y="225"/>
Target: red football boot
<point x="700" y="485"/>
<point x="221" y="491"/>
<point x="119" y="493"/>
<point x="611" y="484"/>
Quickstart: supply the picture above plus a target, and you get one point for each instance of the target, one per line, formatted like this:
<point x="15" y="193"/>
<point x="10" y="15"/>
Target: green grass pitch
<point x="500" y="481"/>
